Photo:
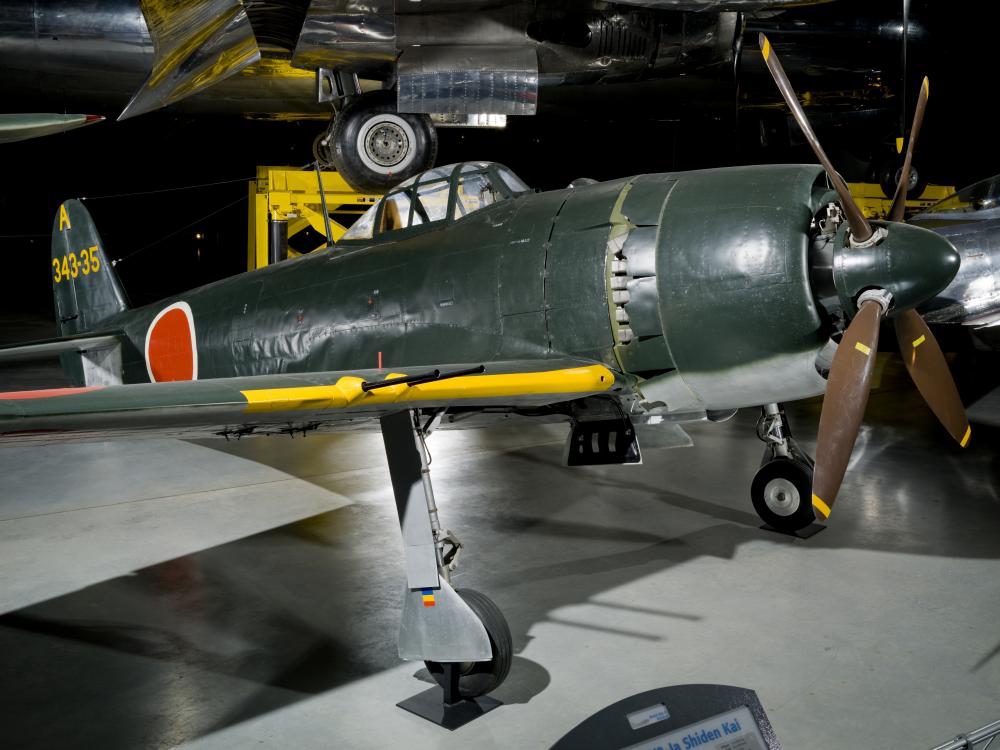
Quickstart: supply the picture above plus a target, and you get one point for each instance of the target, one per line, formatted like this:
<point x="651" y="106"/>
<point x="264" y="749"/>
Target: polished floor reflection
<point x="235" y="594"/>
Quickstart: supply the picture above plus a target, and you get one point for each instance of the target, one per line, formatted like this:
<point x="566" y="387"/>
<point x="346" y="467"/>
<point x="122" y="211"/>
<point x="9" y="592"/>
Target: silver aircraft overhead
<point x="434" y="62"/>
<point x="970" y="220"/>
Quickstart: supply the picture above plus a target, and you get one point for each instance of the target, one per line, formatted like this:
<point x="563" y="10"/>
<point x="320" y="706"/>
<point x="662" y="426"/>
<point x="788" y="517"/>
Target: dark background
<point x="154" y="235"/>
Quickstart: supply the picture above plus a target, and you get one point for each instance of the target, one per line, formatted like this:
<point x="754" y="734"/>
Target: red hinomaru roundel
<point x="171" y="352"/>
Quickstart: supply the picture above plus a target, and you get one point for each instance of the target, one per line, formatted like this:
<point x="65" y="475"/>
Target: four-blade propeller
<point x="851" y="371"/>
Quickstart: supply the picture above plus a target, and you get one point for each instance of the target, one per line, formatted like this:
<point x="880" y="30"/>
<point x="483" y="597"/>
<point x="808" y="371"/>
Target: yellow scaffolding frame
<point x="293" y="195"/>
<point x="874" y="205"/>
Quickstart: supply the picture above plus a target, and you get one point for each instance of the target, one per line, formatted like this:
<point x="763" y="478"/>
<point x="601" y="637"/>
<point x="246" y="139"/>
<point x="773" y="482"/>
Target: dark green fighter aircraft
<point x="464" y="297"/>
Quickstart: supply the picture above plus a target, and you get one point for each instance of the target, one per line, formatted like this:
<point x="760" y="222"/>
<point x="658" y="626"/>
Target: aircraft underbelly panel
<point x="453" y="79"/>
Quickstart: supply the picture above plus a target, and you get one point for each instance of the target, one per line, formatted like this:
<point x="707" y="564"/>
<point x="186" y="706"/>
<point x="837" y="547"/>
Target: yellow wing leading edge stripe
<point x="821" y="506"/>
<point x="346" y="392"/>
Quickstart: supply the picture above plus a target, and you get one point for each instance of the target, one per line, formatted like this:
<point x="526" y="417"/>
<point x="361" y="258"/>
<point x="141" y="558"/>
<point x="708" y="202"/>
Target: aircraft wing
<point x="24" y="126"/>
<point x="286" y="403"/>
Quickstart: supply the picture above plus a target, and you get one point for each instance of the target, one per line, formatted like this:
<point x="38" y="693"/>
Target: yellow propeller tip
<point x="765" y="46"/>
<point x="822" y="507"/>
<point x="899" y="145"/>
<point x="927" y="87"/>
<point x="965" y="440"/>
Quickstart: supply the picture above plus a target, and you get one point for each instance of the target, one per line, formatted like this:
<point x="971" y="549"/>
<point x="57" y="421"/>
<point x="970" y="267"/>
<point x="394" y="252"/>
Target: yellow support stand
<point x="293" y="195"/>
<point x="874" y="205"/>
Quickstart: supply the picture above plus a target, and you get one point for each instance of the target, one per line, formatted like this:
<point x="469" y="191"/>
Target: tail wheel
<point x="374" y="147"/>
<point x="481" y="677"/>
<point x="782" y="495"/>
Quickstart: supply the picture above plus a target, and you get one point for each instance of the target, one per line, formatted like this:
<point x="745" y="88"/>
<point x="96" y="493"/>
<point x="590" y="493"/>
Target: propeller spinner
<point x="880" y="270"/>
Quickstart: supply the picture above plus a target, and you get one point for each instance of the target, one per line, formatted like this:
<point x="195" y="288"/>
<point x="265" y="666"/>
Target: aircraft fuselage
<point x="715" y="291"/>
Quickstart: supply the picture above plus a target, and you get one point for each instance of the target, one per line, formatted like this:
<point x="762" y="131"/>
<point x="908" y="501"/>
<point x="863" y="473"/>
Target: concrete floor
<point x="214" y="595"/>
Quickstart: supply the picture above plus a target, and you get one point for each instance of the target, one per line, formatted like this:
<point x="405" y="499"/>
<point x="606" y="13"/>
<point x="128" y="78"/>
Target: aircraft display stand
<point x="708" y="717"/>
<point x="807" y="533"/>
<point x="444" y="706"/>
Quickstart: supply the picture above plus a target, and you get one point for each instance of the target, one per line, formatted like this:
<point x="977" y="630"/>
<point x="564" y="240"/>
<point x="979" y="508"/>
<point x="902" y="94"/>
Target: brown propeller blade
<point x="929" y="370"/>
<point x="860" y="228"/>
<point x="899" y="200"/>
<point x="844" y="405"/>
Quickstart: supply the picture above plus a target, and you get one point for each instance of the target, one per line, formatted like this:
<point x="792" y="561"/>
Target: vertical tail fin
<point x="86" y="289"/>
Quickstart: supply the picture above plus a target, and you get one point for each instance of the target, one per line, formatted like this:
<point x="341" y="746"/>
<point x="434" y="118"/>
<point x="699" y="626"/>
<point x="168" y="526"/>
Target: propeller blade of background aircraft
<point x="899" y="200"/>
<point x="929" y="370"/>
<point x="844" y="405"/>
<point x="860" y="228"/>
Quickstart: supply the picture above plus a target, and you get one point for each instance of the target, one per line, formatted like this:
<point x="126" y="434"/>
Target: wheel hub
<point x="781" y="497"/>
<point x="387" y="144"/>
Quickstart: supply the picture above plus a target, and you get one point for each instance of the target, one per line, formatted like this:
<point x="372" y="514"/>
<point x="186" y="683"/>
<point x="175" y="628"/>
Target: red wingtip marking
<point x="47" y="393"/>
<point x="94" y="118"/>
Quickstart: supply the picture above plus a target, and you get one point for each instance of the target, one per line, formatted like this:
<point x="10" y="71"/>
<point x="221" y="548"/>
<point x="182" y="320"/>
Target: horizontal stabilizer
<point x="197" y="44"/>
<point x="35" y="350"/>
<point x="99" y="363"/>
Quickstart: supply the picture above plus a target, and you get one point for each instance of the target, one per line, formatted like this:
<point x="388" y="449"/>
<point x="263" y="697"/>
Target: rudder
<point x="84" y="284"/>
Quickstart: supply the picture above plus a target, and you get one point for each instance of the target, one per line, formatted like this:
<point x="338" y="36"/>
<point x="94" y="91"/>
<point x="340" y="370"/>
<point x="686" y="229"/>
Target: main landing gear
<point x="374" y="147"/>
<point x="460" y="635"/>
<point x="782" y="488"/>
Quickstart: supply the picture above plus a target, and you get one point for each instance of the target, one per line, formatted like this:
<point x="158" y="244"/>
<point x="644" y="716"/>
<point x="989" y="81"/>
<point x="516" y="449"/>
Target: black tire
<point x="481" y="677"/>
<point x="888" y="178"/>
<point x="375" y="148"/>
<point x="782" y="495"/>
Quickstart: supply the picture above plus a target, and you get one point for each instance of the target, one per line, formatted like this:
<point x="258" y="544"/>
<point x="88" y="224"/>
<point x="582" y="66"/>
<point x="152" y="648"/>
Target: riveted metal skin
<point x="697" y="285"/>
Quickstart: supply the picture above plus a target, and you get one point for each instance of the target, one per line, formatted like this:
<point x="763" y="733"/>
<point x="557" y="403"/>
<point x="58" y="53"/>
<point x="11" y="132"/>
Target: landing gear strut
<point x="782" y="488"/>
<point x="461" y="636"/>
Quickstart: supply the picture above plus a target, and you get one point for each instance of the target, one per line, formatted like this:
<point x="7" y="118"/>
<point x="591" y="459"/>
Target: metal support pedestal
<point x="443" y="706"/>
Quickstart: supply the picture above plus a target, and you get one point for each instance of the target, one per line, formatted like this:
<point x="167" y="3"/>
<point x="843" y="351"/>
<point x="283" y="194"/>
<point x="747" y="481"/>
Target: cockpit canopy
<point x="441" y="194"/>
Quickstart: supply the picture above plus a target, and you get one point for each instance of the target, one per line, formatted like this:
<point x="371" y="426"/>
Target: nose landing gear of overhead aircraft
<point x="782" y="488"/>
<point x="461" y="636"/>
<point x="374" y="147"/>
